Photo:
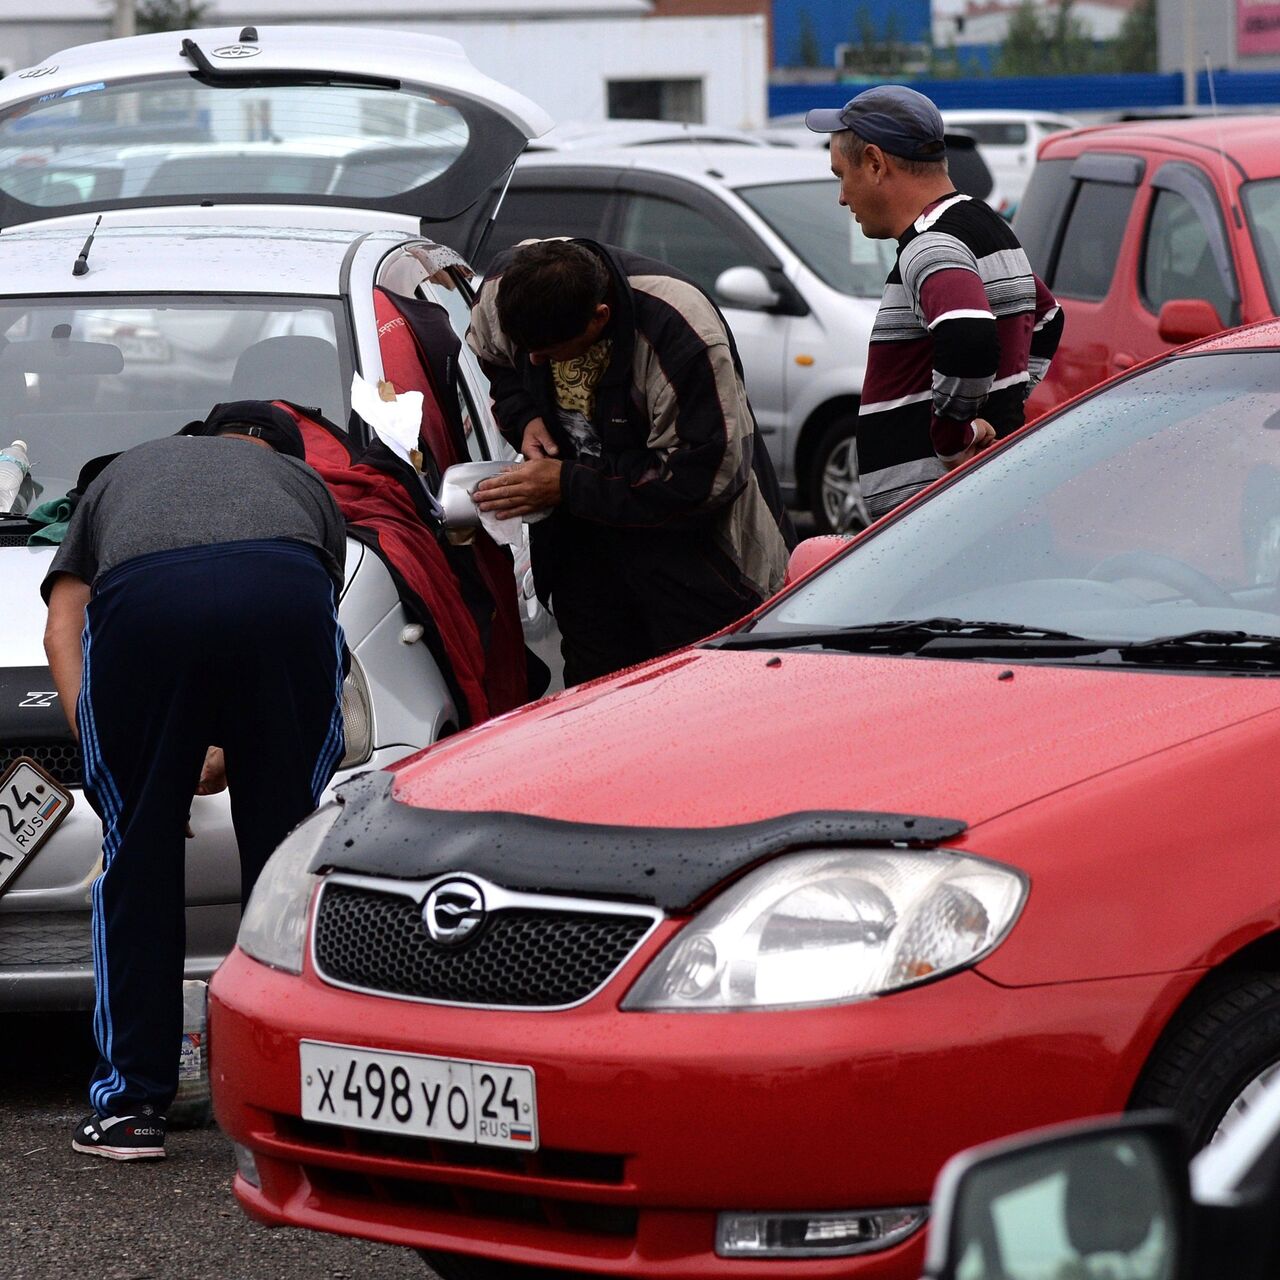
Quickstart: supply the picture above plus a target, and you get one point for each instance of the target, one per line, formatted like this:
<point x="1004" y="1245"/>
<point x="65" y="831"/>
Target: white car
<point x="592" y="136"/>
<point x="1008" y="141"/>
<point x="762" y="230"/>
<point x="223" y="289"/>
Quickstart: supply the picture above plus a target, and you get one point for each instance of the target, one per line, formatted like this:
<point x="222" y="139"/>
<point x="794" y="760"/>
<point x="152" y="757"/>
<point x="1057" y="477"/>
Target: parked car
<point x="707" y="968"/>
<point x="1152" y="234"/>
<point x="764" y="233"/>
<point x="120" y="336"/>
<point x="1113" y="1197"/>
<point x="594" y="135"/>
<point x="1008" y="141"/>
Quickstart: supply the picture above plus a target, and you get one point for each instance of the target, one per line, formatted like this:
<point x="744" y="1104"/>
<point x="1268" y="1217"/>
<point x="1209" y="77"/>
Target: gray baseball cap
<point x="897" y="119"/>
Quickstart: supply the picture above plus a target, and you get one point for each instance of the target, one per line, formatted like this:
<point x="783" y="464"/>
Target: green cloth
<point x="54" y="516"/>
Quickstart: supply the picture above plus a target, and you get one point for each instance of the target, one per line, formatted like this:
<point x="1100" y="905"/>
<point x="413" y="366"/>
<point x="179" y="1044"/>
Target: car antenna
<point x="1222" y="150"/>
<point x="82" y="262"/>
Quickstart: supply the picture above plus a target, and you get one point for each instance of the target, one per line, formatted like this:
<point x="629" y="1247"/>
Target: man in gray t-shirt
<point x="193" y="601"/>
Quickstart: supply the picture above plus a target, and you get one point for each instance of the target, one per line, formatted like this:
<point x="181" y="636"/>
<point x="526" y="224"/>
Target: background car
<point x="274" y="295"/>
<point x="1152" y="234"/>
<point x="592" y="136"/>
<point x="1008" y="141"/>
<point x="695" y="997"/>
<point x="764" y="233"/>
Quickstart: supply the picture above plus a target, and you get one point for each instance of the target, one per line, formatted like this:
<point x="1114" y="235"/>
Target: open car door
<point x="387" y="121"/>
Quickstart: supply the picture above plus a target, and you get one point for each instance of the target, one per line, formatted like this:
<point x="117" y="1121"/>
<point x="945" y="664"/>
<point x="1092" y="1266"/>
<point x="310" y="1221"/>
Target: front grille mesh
<point x="60" y="760"/>
<point x="522" y="957"/>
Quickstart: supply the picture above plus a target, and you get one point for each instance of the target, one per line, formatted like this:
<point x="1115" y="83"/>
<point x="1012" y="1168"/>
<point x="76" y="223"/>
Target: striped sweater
<point x="965" y="330"/>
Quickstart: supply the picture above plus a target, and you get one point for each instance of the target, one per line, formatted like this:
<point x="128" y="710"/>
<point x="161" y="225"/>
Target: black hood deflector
<point x="670" y="867"/>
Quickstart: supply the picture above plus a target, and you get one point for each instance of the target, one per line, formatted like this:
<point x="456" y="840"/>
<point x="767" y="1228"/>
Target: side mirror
<point x="459" y="511"/>
<point x="1091" y="1199"/>
<point x="813" y="552"/>
<point x="746" y="287"/>
<point x="1186" y="319"/>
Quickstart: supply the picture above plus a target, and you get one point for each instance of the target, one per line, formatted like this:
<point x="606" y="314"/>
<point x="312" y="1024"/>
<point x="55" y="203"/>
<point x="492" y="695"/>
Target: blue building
<point x="813" y="32"/>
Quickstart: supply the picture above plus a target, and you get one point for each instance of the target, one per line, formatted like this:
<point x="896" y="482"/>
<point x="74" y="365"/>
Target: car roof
<point x="1249" y="140"/>
<point x="960" y="114"/>
<point x="637" y="133"/>
<point x="713" y="164"/>
<point x="1263" y="335"/>
<point x="124" y="259"/>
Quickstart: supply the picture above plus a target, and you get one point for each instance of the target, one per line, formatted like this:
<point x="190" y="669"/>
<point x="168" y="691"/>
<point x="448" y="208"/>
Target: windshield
<point x="823" y="234"/>
<point x="160" y="141"/>
<point x="1151" y="509"/>
<point x="83" y="377"/>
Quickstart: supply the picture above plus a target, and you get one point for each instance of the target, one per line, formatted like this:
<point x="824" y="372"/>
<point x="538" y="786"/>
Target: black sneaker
<point x="121" y="1137"/>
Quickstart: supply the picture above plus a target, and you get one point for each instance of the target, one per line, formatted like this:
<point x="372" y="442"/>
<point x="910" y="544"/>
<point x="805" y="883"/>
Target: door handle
<point x="1123" y="360"/>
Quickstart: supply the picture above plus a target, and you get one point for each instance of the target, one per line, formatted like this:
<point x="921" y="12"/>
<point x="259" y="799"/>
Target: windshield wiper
<point x="907" y="636"/>
<point x="1214" y="648"/>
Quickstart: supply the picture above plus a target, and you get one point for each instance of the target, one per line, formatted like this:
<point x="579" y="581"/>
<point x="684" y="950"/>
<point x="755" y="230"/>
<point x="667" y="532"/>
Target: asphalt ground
<point x="66" y="1216"/>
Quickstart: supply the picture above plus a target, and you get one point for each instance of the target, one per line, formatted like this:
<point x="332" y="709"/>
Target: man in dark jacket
<point x="193" y="601"/>
<point x="619" y="382"/>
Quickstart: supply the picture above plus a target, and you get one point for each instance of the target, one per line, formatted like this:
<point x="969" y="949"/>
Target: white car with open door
<point x="283" y="244"/>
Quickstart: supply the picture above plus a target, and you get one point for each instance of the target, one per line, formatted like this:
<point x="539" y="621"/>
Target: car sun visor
<point x="670" y="867"/>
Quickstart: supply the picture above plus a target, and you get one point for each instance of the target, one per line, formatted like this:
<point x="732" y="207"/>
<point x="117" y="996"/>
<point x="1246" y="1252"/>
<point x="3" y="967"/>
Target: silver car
<point x="237" y="282"/>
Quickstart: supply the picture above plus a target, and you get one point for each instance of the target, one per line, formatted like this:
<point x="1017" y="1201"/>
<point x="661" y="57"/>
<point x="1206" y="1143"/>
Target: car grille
<point x="60" y="760"/>
<point x="523" y="957"/>
<point x="13" y="539"/>
<point x="37" y="940"/>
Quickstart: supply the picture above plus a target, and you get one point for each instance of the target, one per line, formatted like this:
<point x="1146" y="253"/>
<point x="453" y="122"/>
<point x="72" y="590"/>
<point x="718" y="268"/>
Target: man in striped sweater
<point x="965" y="329"/>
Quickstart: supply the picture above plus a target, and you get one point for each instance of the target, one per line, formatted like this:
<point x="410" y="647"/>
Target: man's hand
<point x="984" y="436"/>
<point x="537" y="442"/>
<point x="213" y="775"/>
<point x="532" y="486"/>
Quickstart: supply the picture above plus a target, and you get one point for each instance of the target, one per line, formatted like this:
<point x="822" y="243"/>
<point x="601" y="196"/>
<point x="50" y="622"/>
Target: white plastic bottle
<point x="14" y="465"/>
<point x="191" y="1108"/>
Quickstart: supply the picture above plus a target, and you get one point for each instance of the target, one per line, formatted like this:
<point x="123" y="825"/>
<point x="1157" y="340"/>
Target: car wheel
<point x="834" y="495"/>
<point x="1216" y="1056"/>
<point x="461" y="1266"/>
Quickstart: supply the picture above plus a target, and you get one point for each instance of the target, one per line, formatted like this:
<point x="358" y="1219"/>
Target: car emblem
<point x="36" y="72"/>
<point x="453" y="912"/>
<point x="237" y="51"/>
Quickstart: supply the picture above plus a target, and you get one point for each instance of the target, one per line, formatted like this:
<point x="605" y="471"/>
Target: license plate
<point x="484" y="1103"/>
<point x="31" y="806"/>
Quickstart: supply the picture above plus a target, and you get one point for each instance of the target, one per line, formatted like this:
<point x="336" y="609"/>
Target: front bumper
<point x="651" y="1124"/>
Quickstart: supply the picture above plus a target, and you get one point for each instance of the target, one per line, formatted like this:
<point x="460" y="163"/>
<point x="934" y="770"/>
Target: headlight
<point x="274" y="926"/>
<point x="834" y="926"/>
<point x="357" y="717"/>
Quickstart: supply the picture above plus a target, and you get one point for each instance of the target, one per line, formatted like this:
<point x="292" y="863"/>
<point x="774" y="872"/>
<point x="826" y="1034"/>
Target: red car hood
<point x="712" y="737"/>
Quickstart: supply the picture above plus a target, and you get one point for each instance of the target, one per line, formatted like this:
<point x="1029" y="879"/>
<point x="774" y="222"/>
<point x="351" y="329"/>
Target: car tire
<point x="1216" y="1055"/>
<point x="462" y="1266"/>
<point x="833" y="474"/>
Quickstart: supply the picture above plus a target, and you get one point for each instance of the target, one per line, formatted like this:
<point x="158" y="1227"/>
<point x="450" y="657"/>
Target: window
<point x="1177" y="259"/>
<point x="1040" y="213"/>
<point x="1092" y="241"/>
<point x="534" y="213"/>
<point x="655" y="100"/>
<point x="997" y="133"/>
<point x="681" y="236"/>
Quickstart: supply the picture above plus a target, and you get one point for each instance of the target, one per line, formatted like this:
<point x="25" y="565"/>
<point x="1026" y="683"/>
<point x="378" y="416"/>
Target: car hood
<point x="715" y="737"/>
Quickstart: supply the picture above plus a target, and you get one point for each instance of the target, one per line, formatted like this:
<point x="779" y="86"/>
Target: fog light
<point x="814" y="1235"/>
<point x="247" y="1166"/>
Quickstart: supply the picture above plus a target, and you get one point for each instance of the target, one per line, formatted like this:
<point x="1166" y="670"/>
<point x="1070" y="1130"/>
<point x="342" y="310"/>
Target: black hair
<point x="549" y="292"/>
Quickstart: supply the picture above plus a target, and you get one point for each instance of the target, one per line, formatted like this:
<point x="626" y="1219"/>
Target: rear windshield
<point x="84" y="377"/>
<point x="157" y="139"/>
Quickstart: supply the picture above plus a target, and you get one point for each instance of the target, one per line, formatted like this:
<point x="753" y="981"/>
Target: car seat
<point x="301" y="369"/>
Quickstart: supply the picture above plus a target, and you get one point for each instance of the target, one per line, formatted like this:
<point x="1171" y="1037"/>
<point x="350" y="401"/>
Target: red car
<point x="705" y="969"/>
<point x="1153" y="234"/>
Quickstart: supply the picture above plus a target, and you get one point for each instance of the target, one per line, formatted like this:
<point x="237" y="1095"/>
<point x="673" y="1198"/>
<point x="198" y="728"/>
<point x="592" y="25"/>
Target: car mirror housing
<point x="1059" y="1201"/>
<point x="1187" y="319"/>
<point x="812" y="552"/>
<point x="746" y="287"/>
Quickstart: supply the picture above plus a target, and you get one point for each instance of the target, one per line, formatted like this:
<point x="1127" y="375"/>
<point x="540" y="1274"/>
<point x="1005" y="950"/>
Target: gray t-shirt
<point x="191" y="491"/>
